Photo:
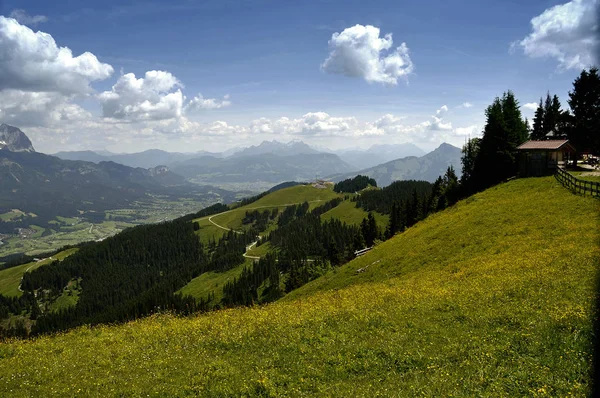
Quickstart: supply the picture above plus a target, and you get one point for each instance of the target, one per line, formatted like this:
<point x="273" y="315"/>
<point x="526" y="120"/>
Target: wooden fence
<point x="576" y="185"/>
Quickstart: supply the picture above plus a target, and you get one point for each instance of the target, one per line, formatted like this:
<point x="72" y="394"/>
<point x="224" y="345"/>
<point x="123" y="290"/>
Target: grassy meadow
<point x="350" y="214"/>
<point x="10" y="278"/>
<point x="212" y="282"/>
<point x="492" y="297"/>
<point x="279" y="199"/>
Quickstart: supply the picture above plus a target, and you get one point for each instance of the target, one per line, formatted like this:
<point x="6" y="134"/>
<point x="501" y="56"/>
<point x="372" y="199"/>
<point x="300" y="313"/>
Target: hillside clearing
<point x="493" y="297"/>
<point x="350" y="214"/>
<point x="10" y="278"/>
<point x="232" y="219"/>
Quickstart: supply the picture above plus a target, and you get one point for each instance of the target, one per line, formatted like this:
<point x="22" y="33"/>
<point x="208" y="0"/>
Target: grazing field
<point x="209" y="231"/>
<point x="279" y="199"/>
<point x="11" y="215"/>
<point x="350" y="214"/>
<point x="260" y="251"/>
<point x="10" y="278"/>
<point x="296" y="194"/>
<point x="212" y="282"/>
<point x="593" y="176"/>
<point x="492" y="297"/>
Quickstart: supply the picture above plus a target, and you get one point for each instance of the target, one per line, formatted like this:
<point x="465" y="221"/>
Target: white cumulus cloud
<point x="358" y="51"/>
<point x="531" y="106"/>
<point x="23" y="18"/>
<point x="200" y="103"/>
<point x="155" y="96"/>
<point x="31" y="61"/>
<point x="466" y="105"/>
<point x="568" y="33"/>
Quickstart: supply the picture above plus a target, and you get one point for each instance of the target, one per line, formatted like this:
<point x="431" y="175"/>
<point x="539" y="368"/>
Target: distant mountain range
<point x="378" y="154"/>
<point x="146" y="159"/>
<point x="49" y="186"/>
<point x="273" y="162"/>
<point x="355" y="159"/>
<point x="428" y="167"/>
<point x="275" y="147"/>
<point x="266" y="167"/>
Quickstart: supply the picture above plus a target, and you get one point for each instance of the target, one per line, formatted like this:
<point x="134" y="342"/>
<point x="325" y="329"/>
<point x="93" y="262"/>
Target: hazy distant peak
<point x="295" y="147"/>
<point x="444" y="146"/>
<point x="13" y="139"/>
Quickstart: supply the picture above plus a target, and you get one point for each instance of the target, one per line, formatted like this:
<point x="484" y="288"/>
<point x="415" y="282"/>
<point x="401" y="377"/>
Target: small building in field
<point x="540" y="158"/>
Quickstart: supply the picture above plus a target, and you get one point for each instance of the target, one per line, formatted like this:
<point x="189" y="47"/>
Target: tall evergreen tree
<point x="504" y="131"/>
<point x="368" y="227"/>
<point x="547" y="125"/>
<point x="551" y="114"/>
<point x="537" y="132"/>
<point x="394" y="223"/>
<point x="469" y="155"/>
<point x="584" y="101"/>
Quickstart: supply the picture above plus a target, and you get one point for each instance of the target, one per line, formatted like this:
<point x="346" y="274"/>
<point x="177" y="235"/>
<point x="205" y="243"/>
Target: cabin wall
<point x="538" y="163"/>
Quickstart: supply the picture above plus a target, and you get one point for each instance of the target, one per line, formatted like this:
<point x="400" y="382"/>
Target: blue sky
<point x="261" y="69"/>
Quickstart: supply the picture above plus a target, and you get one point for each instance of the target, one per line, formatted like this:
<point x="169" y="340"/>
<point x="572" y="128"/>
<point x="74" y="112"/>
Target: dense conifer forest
<point x="352" y="185"/>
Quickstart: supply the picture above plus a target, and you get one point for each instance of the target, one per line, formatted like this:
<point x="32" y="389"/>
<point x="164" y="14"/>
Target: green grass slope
<point x="492" y="297"/>
<point x="350" y="214"/>
<point x="528" y="221"/>
<point x="10" y="278"/>
<point x="278" y="199"/>
<point x="212" y="282"/>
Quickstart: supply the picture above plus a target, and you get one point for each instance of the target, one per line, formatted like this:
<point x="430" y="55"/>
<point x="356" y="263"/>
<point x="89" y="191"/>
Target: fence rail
<point x="576" y="185"/>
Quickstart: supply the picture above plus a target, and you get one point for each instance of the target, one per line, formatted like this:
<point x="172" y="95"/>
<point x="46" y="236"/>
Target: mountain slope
<point x="493" y="297"/>
<point x="49" y="186"/>
<point x="14" y="139"/>
<point x="427" y="167"/>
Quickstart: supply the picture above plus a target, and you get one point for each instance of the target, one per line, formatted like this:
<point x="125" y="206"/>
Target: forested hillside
<point x="145" y="269"/>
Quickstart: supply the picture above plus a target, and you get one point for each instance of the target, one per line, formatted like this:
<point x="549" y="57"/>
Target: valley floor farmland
<point x="69" y="231"/>
<point x="493" y="297"/>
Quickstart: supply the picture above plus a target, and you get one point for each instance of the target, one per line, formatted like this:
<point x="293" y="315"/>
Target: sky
<point x="211" y="75"/>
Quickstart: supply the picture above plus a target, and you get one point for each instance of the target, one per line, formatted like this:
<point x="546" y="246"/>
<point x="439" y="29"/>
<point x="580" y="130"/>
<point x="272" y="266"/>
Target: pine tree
<point x="547" y="125"/>
<point x="451" y="186"/>
<point x="469" y="155"/>
<point x="537" y="132"/>
<point x="556" y="113"/>
<point x="504" y="131"/>
<point x="393" y="225"/>
<point x="373" y="226"/>
<point x="584" y="102"/>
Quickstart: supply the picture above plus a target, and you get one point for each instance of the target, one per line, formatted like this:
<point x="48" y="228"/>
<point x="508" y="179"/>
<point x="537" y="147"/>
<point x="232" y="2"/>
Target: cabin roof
<point x="546" y="145"/>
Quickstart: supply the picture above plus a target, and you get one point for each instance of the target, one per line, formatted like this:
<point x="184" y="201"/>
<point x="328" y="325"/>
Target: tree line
<point x="355" y="184"/>
<point x="491" y="159"/>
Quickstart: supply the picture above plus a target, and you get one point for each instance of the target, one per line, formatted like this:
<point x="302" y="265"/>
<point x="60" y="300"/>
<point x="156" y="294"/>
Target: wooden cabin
<point x="540" y="158"/>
